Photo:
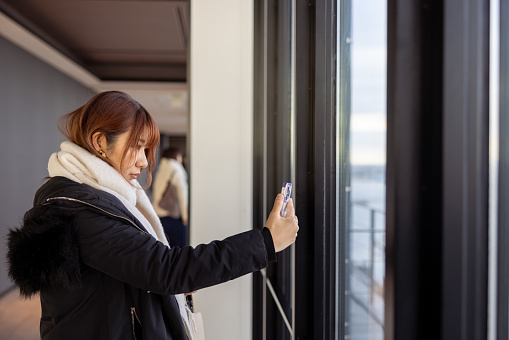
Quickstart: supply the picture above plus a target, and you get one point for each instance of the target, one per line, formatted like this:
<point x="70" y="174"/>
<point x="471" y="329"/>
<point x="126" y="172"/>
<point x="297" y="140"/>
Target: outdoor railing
<point x="362" y="262"/>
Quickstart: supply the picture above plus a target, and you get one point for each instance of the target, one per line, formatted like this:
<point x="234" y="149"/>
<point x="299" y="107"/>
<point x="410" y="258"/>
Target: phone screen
<point x="286" y="190"/>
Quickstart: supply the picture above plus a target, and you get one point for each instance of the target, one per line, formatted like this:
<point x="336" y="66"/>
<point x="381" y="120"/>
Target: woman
<point x="94" y="248"/>
<point x="170" y="171"/>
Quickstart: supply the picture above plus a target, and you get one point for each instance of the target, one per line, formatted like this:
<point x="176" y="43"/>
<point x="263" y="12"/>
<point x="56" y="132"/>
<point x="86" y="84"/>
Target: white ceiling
<point x="166" y="102"/>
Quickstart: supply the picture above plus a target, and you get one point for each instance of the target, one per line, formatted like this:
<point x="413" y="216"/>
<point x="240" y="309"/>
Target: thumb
<point x="278" y="203"/>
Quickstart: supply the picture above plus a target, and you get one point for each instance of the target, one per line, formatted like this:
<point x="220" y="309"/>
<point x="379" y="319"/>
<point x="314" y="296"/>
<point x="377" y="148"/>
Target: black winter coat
<point x="102" y="276"/>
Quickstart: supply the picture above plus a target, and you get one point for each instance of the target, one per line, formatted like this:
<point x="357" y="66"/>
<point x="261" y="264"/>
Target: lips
<point x="134" y="176"/>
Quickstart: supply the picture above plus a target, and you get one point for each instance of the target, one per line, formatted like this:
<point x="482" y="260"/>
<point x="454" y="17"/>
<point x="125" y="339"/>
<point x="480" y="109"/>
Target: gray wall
<point x="33" y="96"/>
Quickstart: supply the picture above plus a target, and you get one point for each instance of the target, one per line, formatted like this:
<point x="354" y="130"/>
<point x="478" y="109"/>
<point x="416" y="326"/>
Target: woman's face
<point x="135" y="159"/>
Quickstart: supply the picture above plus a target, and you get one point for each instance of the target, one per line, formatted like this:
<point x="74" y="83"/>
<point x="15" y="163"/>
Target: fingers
<point x="278" y="203"/>
<point x="290" y="210"/>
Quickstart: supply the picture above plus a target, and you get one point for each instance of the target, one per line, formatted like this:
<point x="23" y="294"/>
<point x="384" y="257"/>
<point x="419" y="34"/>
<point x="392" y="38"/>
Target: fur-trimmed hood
<point x="44" y="252"/>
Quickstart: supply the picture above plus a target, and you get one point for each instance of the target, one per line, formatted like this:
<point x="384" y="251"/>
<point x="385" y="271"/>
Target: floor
<point x="19" y="319"/>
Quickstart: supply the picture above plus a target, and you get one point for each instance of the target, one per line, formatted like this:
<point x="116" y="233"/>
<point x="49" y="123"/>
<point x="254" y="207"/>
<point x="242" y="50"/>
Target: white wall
<point x="221" y="124"/>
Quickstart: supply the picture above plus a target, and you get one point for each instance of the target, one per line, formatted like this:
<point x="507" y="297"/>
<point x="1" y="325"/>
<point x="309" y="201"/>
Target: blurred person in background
<point x="173" y="214"/>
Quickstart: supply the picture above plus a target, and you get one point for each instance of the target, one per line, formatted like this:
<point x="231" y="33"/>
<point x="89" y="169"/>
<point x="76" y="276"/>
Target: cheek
<point x="130" y="159"/>
<point x="127" y="161"/>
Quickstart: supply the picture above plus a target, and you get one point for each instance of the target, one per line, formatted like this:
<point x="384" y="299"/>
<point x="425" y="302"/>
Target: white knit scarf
<point x="79" y="165"/>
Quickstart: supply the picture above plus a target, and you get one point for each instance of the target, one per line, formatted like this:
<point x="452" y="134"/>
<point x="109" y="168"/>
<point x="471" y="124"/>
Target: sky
<point x="368" y="81"/>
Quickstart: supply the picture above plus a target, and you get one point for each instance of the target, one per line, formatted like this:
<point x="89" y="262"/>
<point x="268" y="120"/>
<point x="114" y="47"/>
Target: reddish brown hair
<point x="112" y="113"/>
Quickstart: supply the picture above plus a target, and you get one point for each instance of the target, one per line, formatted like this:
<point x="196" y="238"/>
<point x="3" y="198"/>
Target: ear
<point x="99" y="141"/>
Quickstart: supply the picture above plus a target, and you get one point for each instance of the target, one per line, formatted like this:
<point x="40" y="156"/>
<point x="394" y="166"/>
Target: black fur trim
<point x="44" y="254"/>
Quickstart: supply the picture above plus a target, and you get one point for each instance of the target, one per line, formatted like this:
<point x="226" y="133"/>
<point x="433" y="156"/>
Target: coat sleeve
<point x="132" y="256"/>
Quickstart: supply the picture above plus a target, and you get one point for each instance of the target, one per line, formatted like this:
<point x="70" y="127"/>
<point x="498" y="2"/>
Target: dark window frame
<point x="315" y="269"/>
<point x="437" y="173"/>
<point x="437" y="170"/>
<point x="503" y="180"/>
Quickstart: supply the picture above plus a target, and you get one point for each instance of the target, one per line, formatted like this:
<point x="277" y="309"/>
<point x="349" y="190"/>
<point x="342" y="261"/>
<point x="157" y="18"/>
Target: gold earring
<point x="102" y="153"/>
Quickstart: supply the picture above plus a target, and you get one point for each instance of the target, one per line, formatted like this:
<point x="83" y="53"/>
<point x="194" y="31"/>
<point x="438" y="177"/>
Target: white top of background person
<point x="171" y="165"/>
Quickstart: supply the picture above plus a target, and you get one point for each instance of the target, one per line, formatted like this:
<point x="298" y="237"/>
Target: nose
<point x="142" y="160"/>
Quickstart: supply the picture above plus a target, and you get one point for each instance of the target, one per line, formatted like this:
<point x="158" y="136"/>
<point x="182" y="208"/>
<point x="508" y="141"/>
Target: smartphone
<point x="286" y="190"/>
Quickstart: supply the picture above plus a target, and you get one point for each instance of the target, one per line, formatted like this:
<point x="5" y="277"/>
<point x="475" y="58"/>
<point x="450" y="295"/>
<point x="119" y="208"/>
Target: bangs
<point x="152" y="132"/>
<point x="144" y="129"/>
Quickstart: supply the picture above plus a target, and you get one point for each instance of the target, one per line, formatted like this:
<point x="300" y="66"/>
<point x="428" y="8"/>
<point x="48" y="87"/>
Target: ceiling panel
<point x="102" y="34"/>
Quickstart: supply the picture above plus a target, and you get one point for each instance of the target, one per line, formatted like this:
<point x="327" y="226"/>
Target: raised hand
<point x="283" y="229"/>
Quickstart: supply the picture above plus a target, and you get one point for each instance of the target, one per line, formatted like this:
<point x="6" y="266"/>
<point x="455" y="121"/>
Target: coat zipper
<point x="133" y="315"/>
<point x="96" y="207"/>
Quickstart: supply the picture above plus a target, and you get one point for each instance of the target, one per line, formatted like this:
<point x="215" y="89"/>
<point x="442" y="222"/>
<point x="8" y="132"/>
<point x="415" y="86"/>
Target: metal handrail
<point x="372" y="245"/>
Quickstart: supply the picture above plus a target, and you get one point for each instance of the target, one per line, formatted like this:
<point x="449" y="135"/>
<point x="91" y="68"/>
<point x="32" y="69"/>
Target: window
<point x="362" y="111"/>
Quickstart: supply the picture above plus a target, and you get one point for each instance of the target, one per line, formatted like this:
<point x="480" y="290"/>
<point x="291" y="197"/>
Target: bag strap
<point x="169" y="181"/>
<point x="171" y="178"/>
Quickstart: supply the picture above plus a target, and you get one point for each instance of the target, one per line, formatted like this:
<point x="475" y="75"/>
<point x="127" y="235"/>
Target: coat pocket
<point x="136" y="325"/>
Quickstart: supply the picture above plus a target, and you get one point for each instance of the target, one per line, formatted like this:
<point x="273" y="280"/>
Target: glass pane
<point x="366" y="158"/>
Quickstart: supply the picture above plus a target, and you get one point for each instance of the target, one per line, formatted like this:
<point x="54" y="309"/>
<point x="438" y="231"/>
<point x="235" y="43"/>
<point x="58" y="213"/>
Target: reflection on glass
<point x="365" y="229"/>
